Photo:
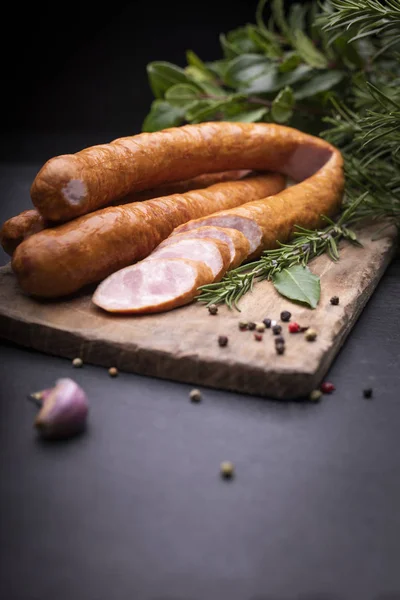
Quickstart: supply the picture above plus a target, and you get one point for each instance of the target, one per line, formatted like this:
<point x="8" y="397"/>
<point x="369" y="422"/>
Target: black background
<point x="82" y="66"/>
<point x="135" y="509"/>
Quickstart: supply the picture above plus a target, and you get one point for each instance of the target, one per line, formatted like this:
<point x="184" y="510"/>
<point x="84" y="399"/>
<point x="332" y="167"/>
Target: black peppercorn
<point x="251" y="326"/>
<point x="223" y="340"/>
<point x="367" y="393"/>
<point x="277" y="329"/>
<point x="280" y="348"/>
<point x="279" y="340"/>
<point x="213" y="309"/>
<point x="267" y="323"/>
<point x="334" y="300"/>
<point x="285" y="315"/>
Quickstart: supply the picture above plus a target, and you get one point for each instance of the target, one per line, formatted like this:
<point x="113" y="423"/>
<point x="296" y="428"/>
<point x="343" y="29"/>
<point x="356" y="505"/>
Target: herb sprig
<point x="307" y="244"/>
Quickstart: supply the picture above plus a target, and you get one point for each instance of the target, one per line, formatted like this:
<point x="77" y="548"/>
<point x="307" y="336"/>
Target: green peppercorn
<point x="260" y="327"/>
<point x="315" y="395"/>
<point x="311" y="335"/>
<point x="243" y="325"/>
<point x="227" y="469"/>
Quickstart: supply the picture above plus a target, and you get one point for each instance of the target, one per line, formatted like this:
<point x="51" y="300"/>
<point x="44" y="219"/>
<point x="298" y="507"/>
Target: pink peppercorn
<point x="258" y="337"/>
<point x="294" y="327"/>
<point x="327" y="387"/>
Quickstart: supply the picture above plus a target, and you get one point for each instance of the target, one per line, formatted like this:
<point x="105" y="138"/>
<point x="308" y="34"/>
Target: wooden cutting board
<point x="182" y="344"/>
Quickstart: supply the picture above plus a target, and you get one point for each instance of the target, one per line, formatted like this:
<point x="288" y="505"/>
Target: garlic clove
<point x="64" y="410"/>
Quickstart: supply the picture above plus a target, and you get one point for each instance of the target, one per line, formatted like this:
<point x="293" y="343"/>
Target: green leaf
<point x="182" y="95"/>
<point x="278" y="12"/>
<point x="282" y="106"/>
<point x="249" y="116"/>
<point x="163" y="75"/>
<point x="211" y="89"/>
<point x="272" y="81"/>
<point x="218" y="67"/>
<point x="161" y="116"/>
<point x="308" y="51"/>
<point x="297" y="16"/>
<point x="290" y="61"/>
<point x="204" y="110"/>
<point x="265" y="42"/>
<point x="242" y="69"/>
<point x="298" y="284"/>
<point x="320" y="83"/>
<point x="228" y="49"/>
<point x="240" y="40"/>
<point x="195" y="61"/>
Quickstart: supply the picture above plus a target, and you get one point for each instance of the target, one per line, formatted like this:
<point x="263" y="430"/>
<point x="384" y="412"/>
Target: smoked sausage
<point x="71" y="185"/>
<point x="19" y="228"/>
<point x="60" y="260"/>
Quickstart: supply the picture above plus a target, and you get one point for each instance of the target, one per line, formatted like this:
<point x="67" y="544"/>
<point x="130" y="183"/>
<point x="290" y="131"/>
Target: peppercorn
<point x="267" y="323"/>
<point x="280" y="348"/>
<point x="222" y="340"/>
<point x="227" y="469"/>
<point x="285" y="315"/>
<point x="273" y="323"/>
<point x="260" y="327"/>
<point x="195" y="395"/>
<point x="213" y="309"/>
<point x="77" y="362"/>
<point x="310" y="335"/>
<point x="294" y="327"/>
<point x="367" y="393"/>
<point x="327" y="387"/>
<point x="334" y="300"/>
<point x="243" y="325"/>
<point x="258" y="337"/>
<point x="113" y="372"/>
<point x="251" y="325"/>
<point x="315" y="396"/>
<point x="277" y="329"/>
<point x="279" y="340"/>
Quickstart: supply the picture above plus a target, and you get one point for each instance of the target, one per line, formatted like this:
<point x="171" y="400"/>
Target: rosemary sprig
<point x="306" y="245"/>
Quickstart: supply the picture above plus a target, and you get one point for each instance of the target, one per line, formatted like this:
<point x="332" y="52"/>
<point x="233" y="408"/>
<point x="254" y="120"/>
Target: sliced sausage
<point x="72" y="185"/>
<point x="268" y="220"/>
<point x="58" y="261"/>
<point x="152" y="286"/>
<point x="238" y="244"/>
<point x="214" y="253"/>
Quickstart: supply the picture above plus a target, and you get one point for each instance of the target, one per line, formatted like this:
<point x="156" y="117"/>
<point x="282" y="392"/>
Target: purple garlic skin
<point x="64" y="410"/>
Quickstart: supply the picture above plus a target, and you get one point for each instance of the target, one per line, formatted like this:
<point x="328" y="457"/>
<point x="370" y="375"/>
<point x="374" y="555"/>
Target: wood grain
<point x="182" y="344"/>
